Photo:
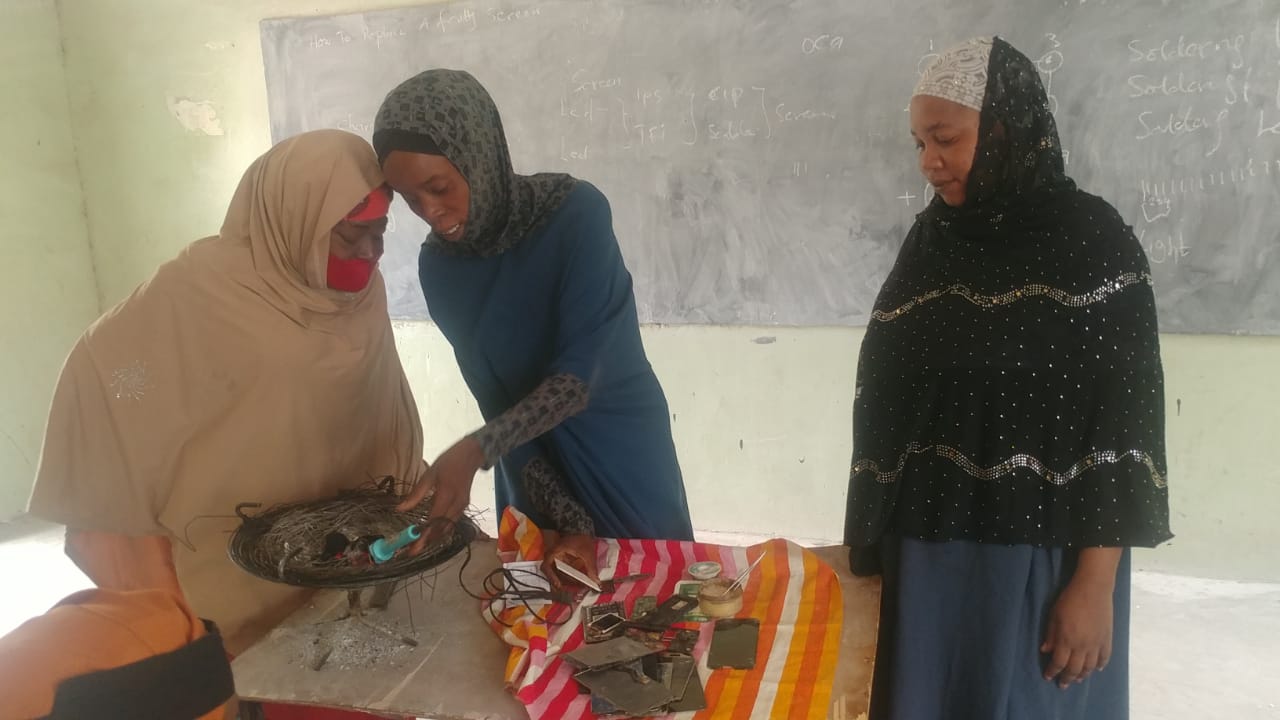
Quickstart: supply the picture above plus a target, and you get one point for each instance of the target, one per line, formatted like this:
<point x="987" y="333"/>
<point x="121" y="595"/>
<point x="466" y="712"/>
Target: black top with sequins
<point x="1009" y="385"/>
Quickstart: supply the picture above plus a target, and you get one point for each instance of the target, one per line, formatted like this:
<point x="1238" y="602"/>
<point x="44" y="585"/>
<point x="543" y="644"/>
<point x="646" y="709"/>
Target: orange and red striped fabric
<point x="795" y="596"/>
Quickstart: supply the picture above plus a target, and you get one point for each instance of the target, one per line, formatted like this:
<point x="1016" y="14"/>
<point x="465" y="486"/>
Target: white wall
<point x="47" y="289"/>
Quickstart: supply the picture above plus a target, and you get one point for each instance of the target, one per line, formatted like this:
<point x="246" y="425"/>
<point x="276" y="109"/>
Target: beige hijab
<point x="235" y="375"/>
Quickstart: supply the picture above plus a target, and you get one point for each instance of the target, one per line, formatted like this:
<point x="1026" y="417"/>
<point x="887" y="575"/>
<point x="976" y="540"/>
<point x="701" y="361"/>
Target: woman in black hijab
<point x="1008" y="420"/>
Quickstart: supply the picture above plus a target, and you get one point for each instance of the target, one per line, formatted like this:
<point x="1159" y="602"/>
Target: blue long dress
<point x="561" y="301"/>
<point x="960" y="631"/>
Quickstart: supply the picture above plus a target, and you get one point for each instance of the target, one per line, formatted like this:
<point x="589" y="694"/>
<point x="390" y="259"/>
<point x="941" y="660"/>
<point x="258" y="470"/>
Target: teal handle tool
<point x="383" y="550"/>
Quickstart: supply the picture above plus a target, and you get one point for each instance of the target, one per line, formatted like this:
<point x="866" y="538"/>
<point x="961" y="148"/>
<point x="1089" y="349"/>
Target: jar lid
<point x="704" y="570"/>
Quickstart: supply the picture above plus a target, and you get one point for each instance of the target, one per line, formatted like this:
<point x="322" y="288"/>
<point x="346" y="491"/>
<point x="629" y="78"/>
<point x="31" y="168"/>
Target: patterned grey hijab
<point x="449" y="113"/>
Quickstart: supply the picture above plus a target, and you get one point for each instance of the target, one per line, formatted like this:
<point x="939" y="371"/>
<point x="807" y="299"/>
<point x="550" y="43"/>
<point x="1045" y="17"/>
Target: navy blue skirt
<point x="961" y="625"/>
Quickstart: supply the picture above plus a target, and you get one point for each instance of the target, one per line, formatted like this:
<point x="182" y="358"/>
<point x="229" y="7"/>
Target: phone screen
<point x="606" y="623"/>
<point x="733" y="644"/>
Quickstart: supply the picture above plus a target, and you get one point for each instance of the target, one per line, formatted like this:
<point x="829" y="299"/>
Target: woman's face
<point x="358" y="240"/>
<point x="433" y="188"/>
<point x="946" y="135"/>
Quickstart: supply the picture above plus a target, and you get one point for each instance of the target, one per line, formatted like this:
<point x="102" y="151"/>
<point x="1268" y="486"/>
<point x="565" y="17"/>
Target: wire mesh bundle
<point x="293" y="543"/>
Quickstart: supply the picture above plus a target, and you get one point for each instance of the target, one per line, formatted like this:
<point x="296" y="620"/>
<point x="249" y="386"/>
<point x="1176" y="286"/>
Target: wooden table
<point x="455" y="673"/>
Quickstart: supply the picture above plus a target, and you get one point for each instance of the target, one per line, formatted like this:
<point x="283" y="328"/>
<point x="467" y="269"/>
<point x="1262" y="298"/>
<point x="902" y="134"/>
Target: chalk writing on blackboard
<point x="756" y="154"/>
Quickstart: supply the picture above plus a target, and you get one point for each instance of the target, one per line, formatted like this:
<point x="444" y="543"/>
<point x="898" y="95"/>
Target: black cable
<point x="509" y="585"/>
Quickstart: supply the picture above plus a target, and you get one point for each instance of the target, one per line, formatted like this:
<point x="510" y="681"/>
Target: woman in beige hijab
<point x="238" y="373"/>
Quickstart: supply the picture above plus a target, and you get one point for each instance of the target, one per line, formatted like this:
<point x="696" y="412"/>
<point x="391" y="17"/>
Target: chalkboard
<point x="756" y="152"/>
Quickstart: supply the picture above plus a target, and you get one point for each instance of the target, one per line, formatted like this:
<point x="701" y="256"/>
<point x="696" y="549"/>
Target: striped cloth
<point x="795" y="596"/>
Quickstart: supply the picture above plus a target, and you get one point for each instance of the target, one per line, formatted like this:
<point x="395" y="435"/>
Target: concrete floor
<point x="1200" y="648"/>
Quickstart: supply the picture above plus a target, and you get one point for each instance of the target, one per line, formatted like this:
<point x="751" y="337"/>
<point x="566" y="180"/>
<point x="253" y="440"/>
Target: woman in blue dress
<point x="1008" y="419"/>
<point x="524" y="277"/>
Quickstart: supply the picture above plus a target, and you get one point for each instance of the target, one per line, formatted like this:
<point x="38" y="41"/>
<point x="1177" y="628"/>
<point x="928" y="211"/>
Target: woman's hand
<point x="448" y="480"/>
<point x="576" y="550"/>
<point x="1078" y="639"/>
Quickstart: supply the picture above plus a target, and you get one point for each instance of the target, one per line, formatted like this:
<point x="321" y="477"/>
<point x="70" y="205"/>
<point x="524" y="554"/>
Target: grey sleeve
<point x="552" y="497"/>
<point x="554" y="400"/>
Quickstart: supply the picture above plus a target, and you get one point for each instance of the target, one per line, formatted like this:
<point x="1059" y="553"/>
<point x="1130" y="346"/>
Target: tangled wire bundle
<point x="293" y="543"/>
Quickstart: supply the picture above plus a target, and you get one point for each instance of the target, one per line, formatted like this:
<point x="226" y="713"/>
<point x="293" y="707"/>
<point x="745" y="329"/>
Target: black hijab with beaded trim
<point x="1009" y="386"/>
<point x="449" y="113"/>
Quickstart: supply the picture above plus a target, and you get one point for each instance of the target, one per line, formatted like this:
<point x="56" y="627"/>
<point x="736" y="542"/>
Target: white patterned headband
<point x="959" y="74"/>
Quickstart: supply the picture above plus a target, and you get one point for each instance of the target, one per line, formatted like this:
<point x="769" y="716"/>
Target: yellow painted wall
<point x="762" y="427"/>
<point x="47" y="291"/>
